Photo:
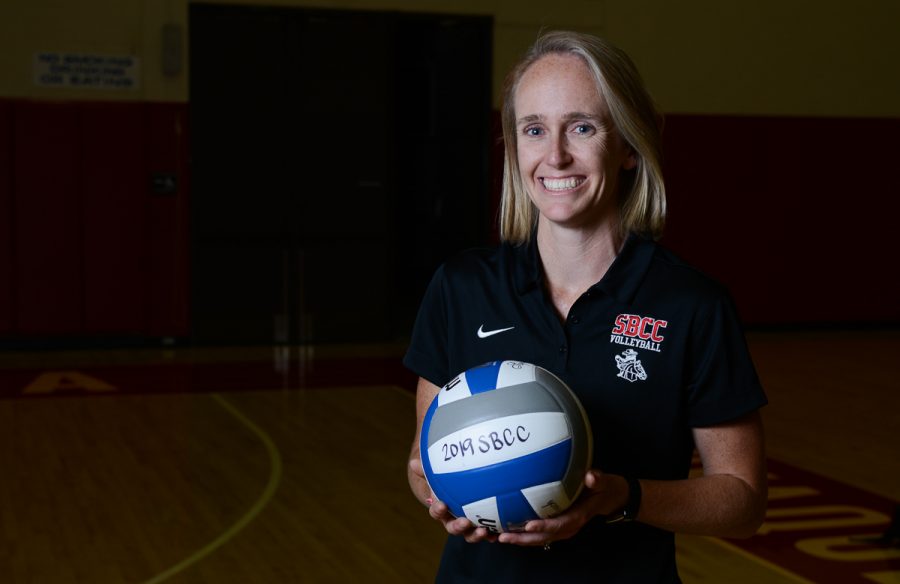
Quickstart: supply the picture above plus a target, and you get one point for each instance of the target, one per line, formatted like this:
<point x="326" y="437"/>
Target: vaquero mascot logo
<point x="630" y="368"/>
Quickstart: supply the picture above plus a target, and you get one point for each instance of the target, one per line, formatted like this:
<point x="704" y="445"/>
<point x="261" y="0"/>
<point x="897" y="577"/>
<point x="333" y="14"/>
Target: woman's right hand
<point x="440" y="512"/>
<point x="459" y="525"/>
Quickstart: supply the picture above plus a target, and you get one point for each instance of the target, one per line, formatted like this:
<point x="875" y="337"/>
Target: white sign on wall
<point x="85" y="70"/>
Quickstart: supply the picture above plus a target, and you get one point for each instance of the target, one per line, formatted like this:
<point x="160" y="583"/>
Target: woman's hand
<point x="425" y="392"/>
<point x="439" y="511"/>
<point x="603" y="494"/>
<point x="459" y="525"/>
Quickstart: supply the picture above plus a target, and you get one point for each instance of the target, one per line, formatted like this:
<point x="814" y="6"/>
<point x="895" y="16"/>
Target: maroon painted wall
<point x="47" y="220"/>
<point x="6" y="223"/>
<point x="795" y="215"/>
<point x="167" y="149"/>
<point x="86" y="248"/>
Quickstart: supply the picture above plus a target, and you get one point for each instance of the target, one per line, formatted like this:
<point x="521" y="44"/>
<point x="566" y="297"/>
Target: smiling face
<point x="569" y="151"/>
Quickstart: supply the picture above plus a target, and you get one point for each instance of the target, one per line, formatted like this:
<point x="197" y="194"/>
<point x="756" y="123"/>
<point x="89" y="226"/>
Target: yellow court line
<point x="250" y="515"/>
<point x="753" y="557"/>
<point x="409" y="393"/>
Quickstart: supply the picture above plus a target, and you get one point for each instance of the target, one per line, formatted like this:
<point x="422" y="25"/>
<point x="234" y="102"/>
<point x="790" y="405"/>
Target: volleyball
<point x="505" y="443"/>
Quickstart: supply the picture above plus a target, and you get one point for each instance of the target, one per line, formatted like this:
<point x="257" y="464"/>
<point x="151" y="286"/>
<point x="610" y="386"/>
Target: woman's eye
<point x="533" y="131"/>
<point x="584" y="129"/>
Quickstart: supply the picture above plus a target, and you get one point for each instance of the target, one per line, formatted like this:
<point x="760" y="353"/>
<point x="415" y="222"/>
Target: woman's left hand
<point x="602" y="495"/>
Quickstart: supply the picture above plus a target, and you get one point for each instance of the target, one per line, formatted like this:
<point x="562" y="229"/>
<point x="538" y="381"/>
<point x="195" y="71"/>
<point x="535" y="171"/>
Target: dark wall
<point x="348" y="158"/>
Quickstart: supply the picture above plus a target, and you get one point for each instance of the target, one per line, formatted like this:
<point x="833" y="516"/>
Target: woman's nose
<point x="559" y="154"/>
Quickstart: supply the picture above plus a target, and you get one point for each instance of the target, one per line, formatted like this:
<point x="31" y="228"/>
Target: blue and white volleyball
<point x="505" y="443"/>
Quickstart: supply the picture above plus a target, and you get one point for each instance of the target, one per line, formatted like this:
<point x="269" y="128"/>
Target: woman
<point x="652" y="347"/>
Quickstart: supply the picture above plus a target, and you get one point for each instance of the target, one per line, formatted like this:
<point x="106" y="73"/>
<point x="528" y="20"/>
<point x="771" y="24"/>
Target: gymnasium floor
<point x="287" y="464"/>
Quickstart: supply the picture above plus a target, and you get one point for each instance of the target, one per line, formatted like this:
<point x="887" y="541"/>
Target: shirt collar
<point x="624" y="276"/>
<point x="621" y="281"/>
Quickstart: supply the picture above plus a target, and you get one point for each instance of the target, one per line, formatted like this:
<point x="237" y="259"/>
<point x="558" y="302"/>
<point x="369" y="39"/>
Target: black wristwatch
<point x="630" y="511"/>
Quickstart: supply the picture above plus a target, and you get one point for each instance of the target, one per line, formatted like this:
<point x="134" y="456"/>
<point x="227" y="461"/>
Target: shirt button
<point x="563" y="349"/>
<point x="573" y="319"/>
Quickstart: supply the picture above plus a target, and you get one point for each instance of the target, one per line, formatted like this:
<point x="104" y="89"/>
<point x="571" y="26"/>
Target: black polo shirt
<point x="652" y="350"/>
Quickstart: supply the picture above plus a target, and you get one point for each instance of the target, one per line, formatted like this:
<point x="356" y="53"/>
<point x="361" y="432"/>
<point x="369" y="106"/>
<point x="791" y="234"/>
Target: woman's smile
<point x="559" y="185"/>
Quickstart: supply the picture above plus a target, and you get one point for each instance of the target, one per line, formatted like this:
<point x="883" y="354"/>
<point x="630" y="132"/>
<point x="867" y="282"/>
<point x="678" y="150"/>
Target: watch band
<point x="630" y="511"/>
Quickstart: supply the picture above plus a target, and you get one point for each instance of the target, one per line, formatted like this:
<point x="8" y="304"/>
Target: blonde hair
<point x="642" y="197"/>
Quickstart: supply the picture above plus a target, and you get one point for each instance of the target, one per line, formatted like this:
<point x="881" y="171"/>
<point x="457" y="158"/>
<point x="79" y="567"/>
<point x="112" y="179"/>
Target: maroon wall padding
<point x="114" y="199"/>
<point x="89" y="250"/>
<point x="48" y="219"/>
<point x="168" y="283"/>
<point x="6" y="220"/>
<point x="795" y="215"/>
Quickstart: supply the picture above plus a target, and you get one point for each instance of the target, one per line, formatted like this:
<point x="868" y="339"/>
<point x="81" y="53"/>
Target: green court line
<point x="250" y="515"/>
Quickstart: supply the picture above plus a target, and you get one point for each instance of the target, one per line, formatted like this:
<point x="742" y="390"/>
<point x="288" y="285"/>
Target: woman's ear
<point x="630" y="160"/>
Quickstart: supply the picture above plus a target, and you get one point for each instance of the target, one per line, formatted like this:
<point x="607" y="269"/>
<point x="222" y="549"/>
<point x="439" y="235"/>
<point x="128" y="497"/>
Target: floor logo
<point x="630" y="368"/>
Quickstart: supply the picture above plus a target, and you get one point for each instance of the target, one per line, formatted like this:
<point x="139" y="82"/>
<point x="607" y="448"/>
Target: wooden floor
<point x="223" y="480"/>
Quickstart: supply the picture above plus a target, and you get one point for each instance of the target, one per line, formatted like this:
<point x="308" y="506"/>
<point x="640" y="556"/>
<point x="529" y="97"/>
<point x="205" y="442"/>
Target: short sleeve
<point x="723" y="381"/>
<point x="428" y="354"/>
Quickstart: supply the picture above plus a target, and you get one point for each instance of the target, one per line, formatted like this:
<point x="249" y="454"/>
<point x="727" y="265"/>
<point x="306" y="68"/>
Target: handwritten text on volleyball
<point x="486" y="442"/>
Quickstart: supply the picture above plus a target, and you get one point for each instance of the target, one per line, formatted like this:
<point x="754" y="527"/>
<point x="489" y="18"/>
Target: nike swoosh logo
<point x="483" y="334"/>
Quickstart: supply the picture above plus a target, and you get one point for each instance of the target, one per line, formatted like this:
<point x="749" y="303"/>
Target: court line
<point x="267" y="494"/>
<point x="751" y="556"/>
